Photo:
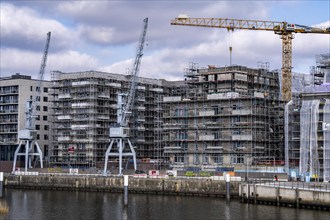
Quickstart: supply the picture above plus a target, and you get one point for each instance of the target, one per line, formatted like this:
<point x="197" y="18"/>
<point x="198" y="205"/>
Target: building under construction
<point x="217" y="116"/>
<point x="307" y="123"/>
<point x="85" y="105"/>
<point x="224" y="116"/>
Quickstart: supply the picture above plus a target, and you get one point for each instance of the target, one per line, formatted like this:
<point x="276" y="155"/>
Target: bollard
<point x="228" y="186"/>
<point x="1" y="184"/>
<point x="125" y="190"/>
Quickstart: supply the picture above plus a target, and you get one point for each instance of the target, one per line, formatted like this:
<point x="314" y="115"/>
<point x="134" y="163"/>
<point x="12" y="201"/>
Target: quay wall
<point x="287" y="196"/>
<point x="283" y="195"/>
<point x="188" y="186"/>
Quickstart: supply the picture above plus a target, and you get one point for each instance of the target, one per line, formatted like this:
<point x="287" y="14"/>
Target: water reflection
<point x="33" y="204"/>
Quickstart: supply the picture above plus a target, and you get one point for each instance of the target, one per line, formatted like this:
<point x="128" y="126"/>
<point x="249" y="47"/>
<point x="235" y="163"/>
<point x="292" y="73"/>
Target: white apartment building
<point x="15" y="91"/>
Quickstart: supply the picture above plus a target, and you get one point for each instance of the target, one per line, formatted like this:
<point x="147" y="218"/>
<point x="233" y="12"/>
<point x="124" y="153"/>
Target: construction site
<point x="217" y="117"/>
<point x="85" y="105"/>
<point x="307" y="142"/>
<point x="226" y="116"/>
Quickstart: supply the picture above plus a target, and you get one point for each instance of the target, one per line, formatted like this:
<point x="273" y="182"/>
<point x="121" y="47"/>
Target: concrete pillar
<point x="125" y="190"/>
<point x="278" y="196"/>
<point x="297" y="198"/>
<point x="242" y="192"/>
<point x="1" y="184"/>
<point x="248" y="192"/>
<point x="254" y="193"/>
<point x="228" y="186"/>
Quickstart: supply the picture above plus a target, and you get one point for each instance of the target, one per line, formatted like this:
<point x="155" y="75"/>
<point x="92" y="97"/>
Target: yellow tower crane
<point x="284" y="29"/>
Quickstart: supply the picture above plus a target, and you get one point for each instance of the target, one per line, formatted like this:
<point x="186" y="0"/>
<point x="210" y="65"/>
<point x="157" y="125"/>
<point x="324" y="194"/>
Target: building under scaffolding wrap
<point x="226" y="116"/>
<point x="314" y="133"/>
<point x="307" y="117"/>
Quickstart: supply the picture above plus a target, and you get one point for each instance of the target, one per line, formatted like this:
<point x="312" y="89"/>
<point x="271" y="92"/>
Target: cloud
<point x="73" y="61"/>
<point x="101" y="35"/>
<point x="28" y="62"/>
<point x="24" y="28"/>
<point x="97" y="35"/>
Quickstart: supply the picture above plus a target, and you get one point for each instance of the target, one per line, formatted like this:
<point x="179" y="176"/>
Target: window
<point x="45" y="137"/>
<point x="179" y="158"/>
<point x="196" y="159"/>
<point x="217" y="135"/>
<point x="37" y="127"/>
<point x="38" y="137"/>
<point x="44" y="118"/>
<point x="45" y="108"/>
<point x="45" y="89"/>
<point x="38" y="118"/>
<point x="45" y="150"/>
<point x="46" y="127"/>
<point x="218" y="159"/>
<point x="38" y="108"/>
<point x="31" y="88"/>
<point x="45" y="99"/>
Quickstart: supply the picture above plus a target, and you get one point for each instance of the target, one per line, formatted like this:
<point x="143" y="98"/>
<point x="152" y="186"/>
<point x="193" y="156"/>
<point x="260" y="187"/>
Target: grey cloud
<point x="25" y="29"/>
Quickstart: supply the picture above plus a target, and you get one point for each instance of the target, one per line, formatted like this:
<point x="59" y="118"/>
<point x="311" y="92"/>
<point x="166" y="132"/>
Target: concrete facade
<point x="15" y="91"/>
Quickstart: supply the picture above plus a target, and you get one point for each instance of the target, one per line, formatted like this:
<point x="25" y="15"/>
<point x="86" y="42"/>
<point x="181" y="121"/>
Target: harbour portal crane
<point x="284" y="29"/>
<point x="119" y="132"/>
<point x="28" y="135"/>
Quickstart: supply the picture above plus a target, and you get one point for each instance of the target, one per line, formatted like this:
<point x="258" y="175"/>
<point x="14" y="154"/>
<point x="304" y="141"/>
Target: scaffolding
<point x="85" y="106"/>
<point x="225" y="116"/>
<point x="326" y="141"/>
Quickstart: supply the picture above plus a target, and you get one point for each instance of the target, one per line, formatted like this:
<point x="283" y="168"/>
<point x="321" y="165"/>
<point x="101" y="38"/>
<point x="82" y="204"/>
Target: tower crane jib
<point x="285" y="29"/>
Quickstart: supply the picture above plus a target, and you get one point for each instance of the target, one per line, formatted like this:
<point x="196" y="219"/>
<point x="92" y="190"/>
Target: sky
<point x="104" y="35"/>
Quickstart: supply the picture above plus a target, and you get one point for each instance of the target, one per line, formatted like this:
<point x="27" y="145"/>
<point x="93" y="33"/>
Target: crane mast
<point x="27" y="135"/>
<point x="284" y="29"/>
<point x="119" y="133"/>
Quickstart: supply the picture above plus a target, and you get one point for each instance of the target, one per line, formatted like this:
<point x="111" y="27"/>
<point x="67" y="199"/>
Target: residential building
<point x="15" y="91"/>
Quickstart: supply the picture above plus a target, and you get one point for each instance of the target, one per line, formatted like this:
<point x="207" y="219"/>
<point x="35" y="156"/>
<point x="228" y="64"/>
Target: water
<point x="45" y="204"/>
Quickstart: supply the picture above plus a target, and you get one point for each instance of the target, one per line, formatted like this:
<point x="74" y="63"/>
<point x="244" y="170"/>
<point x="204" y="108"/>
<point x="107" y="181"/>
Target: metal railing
<point x="315" y="186"/>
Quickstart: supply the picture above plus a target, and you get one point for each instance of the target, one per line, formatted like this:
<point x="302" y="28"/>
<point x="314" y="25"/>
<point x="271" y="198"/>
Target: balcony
<point x="141" y="108"/>
<point x="172" y="99"/>
<point x="246" y="137"/>
<point x="64" y="117"/>
<point x="103" y="117"/>
<point x="206" y="137"/>
<point x="172" y="149"/>
<point x="83" y="83"/>
<point x="206" y="113"/>
<point x="64" y="138"/>
<point x="117" y="85"/>
<point x="64" y="96"/>
<point x="156" y="89"/>
<point x="79" y="127"/>
<point x="241" y="112"/>
<point x="80" y="105"/>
